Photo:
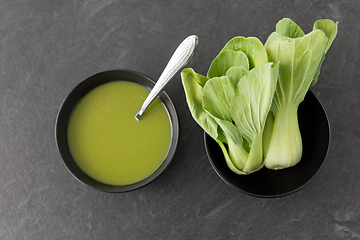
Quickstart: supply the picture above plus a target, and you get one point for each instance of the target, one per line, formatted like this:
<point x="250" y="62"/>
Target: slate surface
<point x="48" y="47"/>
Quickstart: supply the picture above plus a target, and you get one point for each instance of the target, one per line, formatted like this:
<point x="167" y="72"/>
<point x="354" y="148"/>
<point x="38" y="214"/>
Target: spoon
<point x="180" y="58"/>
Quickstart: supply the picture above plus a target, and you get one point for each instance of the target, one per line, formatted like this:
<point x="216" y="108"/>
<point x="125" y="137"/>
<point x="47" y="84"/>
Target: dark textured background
<point x="48" y="47"/>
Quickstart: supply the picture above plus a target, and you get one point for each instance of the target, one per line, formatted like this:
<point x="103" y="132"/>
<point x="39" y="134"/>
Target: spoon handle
<point x="180" y="58"/>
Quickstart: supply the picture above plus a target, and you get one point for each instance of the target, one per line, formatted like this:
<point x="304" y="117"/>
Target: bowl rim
<point x="207" y="138"/>
<point x="78" y="92"/>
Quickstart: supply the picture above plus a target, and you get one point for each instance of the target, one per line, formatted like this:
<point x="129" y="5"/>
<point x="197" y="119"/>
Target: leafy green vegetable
<point x="250" y="107"/>
<point x="192" y="83"/>
<point x="249" y="98"/>
<point x="225" y="60"/>
<point x="300" y="57"/>
<point x="252" y="47"/>
<point x="236" y="73"/>
<point x="330" y="29"/>
<point x="235" y="98"/>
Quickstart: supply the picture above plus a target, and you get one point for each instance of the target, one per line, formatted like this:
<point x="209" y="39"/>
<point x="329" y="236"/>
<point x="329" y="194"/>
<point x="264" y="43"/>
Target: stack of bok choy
<point x="248" y="100"/>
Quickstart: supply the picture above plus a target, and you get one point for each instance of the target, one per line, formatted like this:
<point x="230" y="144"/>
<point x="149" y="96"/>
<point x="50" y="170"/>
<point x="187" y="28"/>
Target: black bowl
<point x="73" y="98"/>
<point x="315" y="133"/>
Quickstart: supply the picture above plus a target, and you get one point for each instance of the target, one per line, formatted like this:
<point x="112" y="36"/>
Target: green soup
<point x="107" y="142"/>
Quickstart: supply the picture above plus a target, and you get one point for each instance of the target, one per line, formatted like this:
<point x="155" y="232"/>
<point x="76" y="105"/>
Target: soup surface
<point x="107" y="142"/>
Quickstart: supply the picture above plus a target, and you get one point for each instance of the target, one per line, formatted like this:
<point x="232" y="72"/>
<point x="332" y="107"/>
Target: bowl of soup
<point x="100" y="141"/>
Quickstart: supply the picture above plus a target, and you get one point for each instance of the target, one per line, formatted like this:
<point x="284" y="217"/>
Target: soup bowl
<point x="70" y="102"/>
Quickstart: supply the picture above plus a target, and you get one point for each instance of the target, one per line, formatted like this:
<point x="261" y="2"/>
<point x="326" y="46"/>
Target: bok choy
<point x="232" y="102"/>
<point x="300" y="57"/>
<point x="248" y="100"/>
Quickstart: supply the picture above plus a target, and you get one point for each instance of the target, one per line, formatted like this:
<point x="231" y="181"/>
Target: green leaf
<point x="229" y="131"/>
<point x="330" y="28"/>
<point x="250" y="107"/>
<point x="229" y="161"/>
<point x="252" y="47"/>
<point x="269" y="124"/>
<point x="194" y="93"/>
<point x="236" y="73"/>
<point x="288" y="28"/>
<point x="217" y="95"/>
<point x="225" y="60"/>
<point x="299" y="59"/>
<point x="238" y="155"/>
<point x="252" y="101"/>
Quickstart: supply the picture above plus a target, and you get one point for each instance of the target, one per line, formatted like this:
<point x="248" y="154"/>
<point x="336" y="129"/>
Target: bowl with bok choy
<point x="315" y="131"/>
<point x="265" y="130"/>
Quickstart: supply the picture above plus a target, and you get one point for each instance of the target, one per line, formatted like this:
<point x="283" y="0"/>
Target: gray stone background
<point x="48" y="47"/>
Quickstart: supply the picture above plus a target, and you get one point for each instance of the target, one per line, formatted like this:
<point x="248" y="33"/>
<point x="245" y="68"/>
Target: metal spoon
<point x="180" y="58"/>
